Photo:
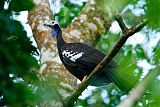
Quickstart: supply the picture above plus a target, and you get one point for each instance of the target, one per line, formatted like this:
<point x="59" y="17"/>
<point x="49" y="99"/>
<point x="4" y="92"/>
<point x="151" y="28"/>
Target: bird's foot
<point x="84" y="77"/>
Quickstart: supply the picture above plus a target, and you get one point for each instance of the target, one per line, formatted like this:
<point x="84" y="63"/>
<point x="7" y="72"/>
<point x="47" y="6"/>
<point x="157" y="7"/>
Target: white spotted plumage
<point x="73" y="56"/>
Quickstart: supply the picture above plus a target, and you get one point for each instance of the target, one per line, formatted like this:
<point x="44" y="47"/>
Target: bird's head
<point x="55" y="28"/>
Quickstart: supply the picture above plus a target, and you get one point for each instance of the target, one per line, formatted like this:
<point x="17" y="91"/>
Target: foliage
<point x="68" y="12"/>
<point x="21" y="6"/>
<point x="17" y="64"/>
<point x="152" y="13"/>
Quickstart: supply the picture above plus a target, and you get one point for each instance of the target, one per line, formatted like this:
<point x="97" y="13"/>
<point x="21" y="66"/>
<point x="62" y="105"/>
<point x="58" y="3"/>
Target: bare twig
<point x="70" y="100"/>
<point x="121" y="23"/>
<point x="140" y="89"/>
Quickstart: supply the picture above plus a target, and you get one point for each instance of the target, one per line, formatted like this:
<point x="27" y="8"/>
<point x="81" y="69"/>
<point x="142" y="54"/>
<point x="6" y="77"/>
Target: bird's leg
<point x="84" y="77"/>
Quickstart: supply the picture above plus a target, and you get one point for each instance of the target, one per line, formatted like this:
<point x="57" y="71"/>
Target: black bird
<point x="80" y="60"/>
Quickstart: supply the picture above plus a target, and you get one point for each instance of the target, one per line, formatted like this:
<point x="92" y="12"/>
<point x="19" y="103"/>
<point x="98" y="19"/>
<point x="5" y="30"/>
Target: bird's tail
<point x="121" y="78"/>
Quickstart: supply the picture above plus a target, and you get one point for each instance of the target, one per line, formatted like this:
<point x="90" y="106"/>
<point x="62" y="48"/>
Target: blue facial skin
<point x="54" y="32"/>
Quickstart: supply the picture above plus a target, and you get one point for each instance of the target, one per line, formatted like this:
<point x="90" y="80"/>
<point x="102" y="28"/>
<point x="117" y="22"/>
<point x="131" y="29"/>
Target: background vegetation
<point x="19" y="84"/>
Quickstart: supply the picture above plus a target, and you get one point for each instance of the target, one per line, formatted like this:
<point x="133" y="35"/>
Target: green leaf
<point x="112" y="7"/>
<point x="2" y="4"/>
<point x="140" y="52"/>
<point x="131" y="19"/>
<point x="156" y="56"/>
<point x="68" y="12"/>
<point x="21" y="5"/>
<point x="153" y="13"/>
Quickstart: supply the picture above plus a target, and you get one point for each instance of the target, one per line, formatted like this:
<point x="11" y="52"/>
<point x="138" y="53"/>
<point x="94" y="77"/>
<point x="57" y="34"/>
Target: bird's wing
<point x="83" y="56"/>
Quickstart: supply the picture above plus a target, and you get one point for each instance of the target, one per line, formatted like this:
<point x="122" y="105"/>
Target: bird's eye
<point x="52" y="22"/>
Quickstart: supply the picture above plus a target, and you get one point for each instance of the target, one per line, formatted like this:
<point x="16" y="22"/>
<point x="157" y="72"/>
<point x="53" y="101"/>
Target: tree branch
<point x="121" y="23"/>
<point x="140" y="89"/>
<point x="70" y="100"/>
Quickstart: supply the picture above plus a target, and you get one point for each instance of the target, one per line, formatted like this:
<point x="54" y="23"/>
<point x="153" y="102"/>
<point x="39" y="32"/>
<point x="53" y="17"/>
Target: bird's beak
<point x="49" y="25"/>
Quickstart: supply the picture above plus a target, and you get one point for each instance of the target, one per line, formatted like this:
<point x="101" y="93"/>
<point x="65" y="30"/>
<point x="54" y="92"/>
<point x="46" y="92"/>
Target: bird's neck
<point x="60" y="41"/>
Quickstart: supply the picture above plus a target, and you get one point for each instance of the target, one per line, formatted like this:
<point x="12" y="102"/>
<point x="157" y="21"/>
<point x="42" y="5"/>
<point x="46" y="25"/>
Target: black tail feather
<point x="124" y="80"/>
